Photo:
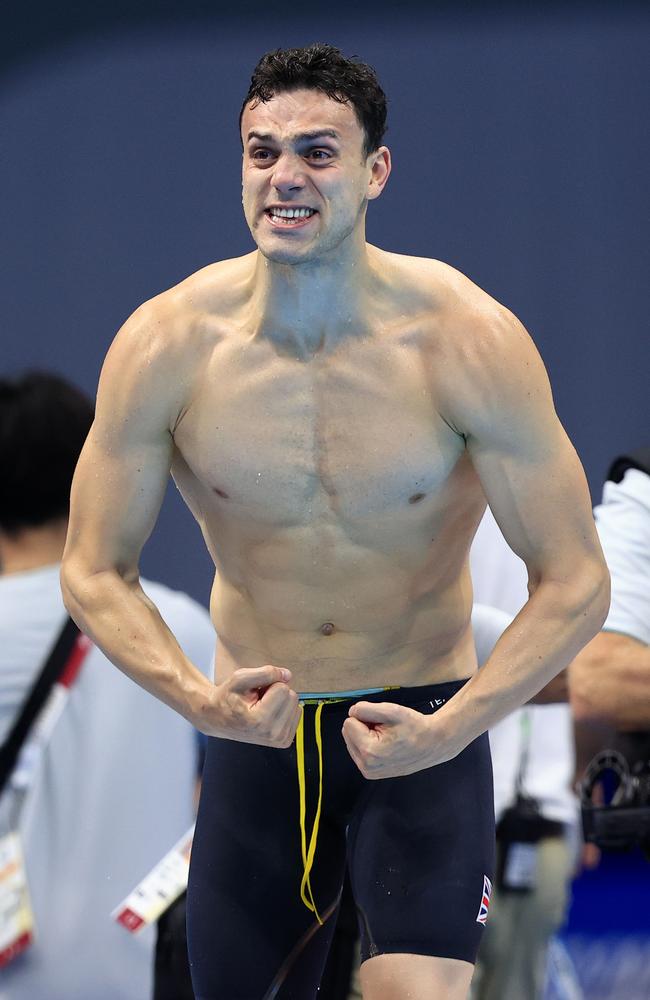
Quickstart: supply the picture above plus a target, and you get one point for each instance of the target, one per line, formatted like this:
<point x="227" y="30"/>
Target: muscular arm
<point x="537" y="491"/>
<point x="117" y="492"/>
<point x="609" y="681"/>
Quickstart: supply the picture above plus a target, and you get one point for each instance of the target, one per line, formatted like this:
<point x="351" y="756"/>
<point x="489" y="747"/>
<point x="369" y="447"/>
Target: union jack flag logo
<point x="485" y="901"/>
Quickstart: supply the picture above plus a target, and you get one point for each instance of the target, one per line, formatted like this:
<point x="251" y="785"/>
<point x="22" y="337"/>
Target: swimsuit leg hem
<point x="420" y="948"/>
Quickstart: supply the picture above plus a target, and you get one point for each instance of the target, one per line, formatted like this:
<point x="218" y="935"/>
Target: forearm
<point x="545" y="636"/>
<point x="609" y="681"/>
<point x="122" y="621"/>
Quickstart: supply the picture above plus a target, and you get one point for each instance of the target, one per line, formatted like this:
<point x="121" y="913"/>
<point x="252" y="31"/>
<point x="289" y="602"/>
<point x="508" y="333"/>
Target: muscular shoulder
<point x="163" y="346"/>
<point x="185" y="319"/>
<point x="466" y="318"/>
<point x="484" y="365"/>
<point x="463" y="317"/>
<point x="492" y="369"/>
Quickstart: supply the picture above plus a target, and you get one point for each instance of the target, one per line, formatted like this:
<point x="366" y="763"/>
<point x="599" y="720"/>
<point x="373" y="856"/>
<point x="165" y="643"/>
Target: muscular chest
<point x="357" y="433"/>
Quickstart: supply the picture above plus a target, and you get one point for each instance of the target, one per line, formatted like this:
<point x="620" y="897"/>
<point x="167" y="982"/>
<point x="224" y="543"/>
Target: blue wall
<point x="519" y="147"/>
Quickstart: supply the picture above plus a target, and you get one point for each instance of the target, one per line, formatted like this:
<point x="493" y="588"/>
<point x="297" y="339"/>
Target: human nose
<point x="288" y="173"/>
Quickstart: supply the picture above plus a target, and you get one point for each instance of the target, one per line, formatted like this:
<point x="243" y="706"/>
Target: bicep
<point x="529" y="470"/>
<point x="115" y="500"/>
<point x="122" y="473"/>
<point x="539" y="497"/>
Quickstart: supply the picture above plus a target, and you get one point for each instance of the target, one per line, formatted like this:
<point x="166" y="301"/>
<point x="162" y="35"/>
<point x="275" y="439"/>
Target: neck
<point x="313" y="305"/>
<point x="32" y="548"/>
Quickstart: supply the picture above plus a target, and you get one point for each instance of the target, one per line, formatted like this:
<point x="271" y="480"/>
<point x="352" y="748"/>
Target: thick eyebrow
<point x="328" y="133"/>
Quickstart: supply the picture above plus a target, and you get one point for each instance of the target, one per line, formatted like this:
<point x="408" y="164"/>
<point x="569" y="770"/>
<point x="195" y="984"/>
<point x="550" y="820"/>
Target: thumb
<point x="373" y="714"/>
<point x="252" y="678"/>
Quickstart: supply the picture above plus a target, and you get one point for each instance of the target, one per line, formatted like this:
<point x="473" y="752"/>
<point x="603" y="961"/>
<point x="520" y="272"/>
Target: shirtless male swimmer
<point x="335" y="417"/>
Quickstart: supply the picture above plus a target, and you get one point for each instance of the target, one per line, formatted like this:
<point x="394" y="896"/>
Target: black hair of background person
<point x="44" y="421"/>
<point x="519" y="144"/>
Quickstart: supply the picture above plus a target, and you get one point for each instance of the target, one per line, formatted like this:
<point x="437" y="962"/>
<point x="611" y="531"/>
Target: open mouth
<point x="290" y="218"/>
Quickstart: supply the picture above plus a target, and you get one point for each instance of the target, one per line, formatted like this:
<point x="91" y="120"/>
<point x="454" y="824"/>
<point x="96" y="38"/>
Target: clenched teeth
<point x="292" y="213"/>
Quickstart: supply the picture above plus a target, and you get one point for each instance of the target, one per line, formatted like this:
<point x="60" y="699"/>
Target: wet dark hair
<point x="44" y="421"/>
<point x="325" y="68"/>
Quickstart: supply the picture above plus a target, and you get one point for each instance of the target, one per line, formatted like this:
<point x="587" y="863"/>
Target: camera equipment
<point x="623" y="821"/>
<point x="521" y="829"/>
<point x="519" y="832"/>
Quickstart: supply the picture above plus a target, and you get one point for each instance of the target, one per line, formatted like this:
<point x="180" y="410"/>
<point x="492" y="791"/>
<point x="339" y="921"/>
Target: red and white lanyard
<point x="24" y="773"/>
<point x="17" y="927"/>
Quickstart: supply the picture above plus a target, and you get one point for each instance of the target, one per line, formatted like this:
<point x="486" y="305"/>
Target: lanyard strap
<point x="62" y="664"/>
<point x="524" y="750"/>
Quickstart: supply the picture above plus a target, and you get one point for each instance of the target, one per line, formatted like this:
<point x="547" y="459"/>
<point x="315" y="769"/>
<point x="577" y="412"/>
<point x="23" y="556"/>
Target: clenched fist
<point x="387" y="740"/>
<point x="255" y="705"/>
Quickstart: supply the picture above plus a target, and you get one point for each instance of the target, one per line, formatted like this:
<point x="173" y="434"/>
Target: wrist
<point x="202" y="704"/>
<point x="448" y="729"/>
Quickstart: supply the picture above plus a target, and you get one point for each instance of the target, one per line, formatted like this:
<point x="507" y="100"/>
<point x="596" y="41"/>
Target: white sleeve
<point x="499" y="577"/>
<point x="488" y="624"/>
<point x="505" y="738"/>
<point x="623" y="523"/>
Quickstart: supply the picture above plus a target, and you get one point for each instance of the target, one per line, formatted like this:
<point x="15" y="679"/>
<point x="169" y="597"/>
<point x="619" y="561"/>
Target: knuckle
<point x="281" y="739"/>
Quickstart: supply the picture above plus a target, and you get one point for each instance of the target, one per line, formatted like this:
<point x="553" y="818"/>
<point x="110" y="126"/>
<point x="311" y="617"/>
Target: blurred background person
<point x="534" y="752"/>
<point x="113" y="789"/>
<point x="536" y="811"/>
<point x="609" y="681"/>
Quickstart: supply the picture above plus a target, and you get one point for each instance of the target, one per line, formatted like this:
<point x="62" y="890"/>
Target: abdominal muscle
<point x="345" y="602"/>
<point x="361" y="633"/>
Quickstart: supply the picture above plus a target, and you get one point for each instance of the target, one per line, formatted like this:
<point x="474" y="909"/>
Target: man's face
<point x="303" y="151"/>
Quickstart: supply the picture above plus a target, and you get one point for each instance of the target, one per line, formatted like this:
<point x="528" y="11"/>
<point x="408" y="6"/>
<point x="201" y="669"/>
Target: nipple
<point x="327" y="629"/>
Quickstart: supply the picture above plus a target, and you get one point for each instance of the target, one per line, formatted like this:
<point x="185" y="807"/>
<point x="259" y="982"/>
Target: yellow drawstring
<point x="308" y="855"/>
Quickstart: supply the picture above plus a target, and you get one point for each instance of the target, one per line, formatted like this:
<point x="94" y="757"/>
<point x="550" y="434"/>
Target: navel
<point x="328" y="628"/>
<point x="220" y="493"/>
<point x="417" y="497"/>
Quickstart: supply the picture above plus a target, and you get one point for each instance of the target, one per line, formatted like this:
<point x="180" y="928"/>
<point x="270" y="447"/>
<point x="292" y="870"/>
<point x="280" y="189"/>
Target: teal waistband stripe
<point x="325" y="695"/>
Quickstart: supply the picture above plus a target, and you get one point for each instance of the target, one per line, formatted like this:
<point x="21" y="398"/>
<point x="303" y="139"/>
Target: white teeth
<point x="292" y="213"/>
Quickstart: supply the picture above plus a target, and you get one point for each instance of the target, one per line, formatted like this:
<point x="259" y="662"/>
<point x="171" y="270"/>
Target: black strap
<point x="639" y="459"/>
<point x="49" y="675"/>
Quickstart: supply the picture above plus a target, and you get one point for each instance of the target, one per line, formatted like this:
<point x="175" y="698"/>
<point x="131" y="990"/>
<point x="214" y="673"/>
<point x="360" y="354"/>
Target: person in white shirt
<point x="114" y="787"/>
<point x="533" y="752"/>
<point x="609" y="681"/>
